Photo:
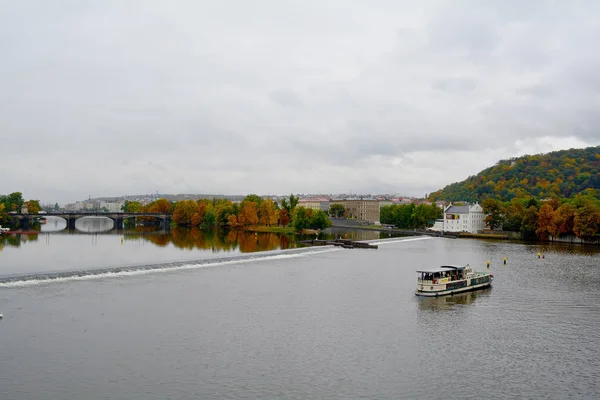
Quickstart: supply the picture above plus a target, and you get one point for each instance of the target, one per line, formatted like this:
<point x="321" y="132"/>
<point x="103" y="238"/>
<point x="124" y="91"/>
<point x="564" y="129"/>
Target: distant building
<point x="467" y="218"/>
<point x="315" y="204"/>
<point x="360" y="209"/>
<point x="111" y="206"/>
<point x="385" y="203"/>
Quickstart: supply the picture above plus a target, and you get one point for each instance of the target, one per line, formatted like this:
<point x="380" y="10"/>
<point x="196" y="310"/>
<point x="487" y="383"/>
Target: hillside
<point x="560" y="174"/>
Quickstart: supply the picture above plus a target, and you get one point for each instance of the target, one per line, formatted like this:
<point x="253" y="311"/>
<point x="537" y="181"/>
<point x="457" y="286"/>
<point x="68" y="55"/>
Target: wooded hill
<point x="559" y="174"/>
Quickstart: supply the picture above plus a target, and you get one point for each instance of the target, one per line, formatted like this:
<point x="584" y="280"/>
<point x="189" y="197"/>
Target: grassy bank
<point x="273" y="229"/>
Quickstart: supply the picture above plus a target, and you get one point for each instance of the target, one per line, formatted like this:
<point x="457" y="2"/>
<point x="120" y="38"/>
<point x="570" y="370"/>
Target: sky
<point x="123" y="97"/>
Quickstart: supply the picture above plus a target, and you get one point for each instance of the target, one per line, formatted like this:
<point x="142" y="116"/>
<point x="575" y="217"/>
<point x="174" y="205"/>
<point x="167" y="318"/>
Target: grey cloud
<point x="455" y="85"/>
<point x="135" y="96"/>
<point x="285" y="98"/>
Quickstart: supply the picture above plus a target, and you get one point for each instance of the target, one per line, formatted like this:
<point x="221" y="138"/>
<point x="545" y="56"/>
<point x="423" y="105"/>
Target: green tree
<point x="254" y="198"/>
<point x="291" y="204"/>
<point x="301" y="219"/>
<point x="319" y="220"/>
<point x="337" y="210"/>
<point x="131" y="206"/>
<point x="529" y="224"/>
<point x="494" y="213"/>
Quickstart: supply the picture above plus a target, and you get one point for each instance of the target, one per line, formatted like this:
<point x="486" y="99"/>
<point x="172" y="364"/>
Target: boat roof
<point x="443" y="268"/>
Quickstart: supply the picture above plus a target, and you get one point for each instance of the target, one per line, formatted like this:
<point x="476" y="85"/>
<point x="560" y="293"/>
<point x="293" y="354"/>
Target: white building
<point x="111" y="206"/>
<point x="464" y="218"/>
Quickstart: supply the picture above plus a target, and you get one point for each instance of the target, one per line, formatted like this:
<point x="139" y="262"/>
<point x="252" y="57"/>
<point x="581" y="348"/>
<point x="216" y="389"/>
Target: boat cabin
<point x="446" y="273"/>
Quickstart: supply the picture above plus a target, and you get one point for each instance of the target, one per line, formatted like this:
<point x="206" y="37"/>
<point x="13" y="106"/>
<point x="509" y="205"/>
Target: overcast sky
<point x="117" y="97"/>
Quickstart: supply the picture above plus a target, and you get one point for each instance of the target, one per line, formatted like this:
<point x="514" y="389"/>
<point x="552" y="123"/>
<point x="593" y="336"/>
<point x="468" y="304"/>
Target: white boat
<point x="1" y="316"/>
<point x="451" y="279"/>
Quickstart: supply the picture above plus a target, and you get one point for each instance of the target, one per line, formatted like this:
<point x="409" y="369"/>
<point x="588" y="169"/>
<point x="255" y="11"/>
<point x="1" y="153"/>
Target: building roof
<point x="458" y="209"/>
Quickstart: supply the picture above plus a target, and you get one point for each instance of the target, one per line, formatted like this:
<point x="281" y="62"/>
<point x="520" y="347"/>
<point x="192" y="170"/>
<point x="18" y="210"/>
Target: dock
<point x="346" y="244"/>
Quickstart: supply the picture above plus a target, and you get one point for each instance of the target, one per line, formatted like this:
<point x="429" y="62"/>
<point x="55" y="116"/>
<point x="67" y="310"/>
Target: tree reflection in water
<point x="216" y="240"/>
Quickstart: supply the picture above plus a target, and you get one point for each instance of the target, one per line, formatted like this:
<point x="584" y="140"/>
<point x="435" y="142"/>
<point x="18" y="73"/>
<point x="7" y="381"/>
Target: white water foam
<point x="398" y="240"/>
<point x="90" y="275"/>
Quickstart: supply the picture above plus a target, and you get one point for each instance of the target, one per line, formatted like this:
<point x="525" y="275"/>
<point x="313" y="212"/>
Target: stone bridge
<point x="71" y="217"/>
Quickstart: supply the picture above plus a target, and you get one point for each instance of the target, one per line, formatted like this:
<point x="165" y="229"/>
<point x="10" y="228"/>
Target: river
<point x="105" y="316"/>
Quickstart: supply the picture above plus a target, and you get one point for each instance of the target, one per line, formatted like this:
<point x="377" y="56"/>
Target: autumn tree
<point x="564" y="217"/>
<point x="546" y="225"/>
<point x="33" y="206"/>
<point x="268" y="214"/>
<point x="284" y="217"/>
<point x="160" y="206"/>
<point x="586" y="221"/>
<point x="232" y="220"/>
<point x="183" y="212"/>
<point x="248" y="213"/>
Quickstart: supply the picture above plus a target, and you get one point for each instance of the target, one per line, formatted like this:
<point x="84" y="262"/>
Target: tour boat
<point x="450" y="279"/>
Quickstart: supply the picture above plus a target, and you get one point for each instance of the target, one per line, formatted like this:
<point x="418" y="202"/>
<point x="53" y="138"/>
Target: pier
<point x="346" y="244"/>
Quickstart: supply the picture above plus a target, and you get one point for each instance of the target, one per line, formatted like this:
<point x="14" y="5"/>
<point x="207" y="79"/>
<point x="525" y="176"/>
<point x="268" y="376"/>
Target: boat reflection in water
<point x="448" y="303"/>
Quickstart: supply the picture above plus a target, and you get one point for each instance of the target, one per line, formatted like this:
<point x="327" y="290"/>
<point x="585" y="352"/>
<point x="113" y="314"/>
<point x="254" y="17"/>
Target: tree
<point x="529" y="224"/>
<point x="494" y="212"/>
<point x="337" y="210"/>
<point x="33" y="206"/>
<point x="232" y="220"/>
<point x="131" y="206"/>
<point x="13" y="202"/>
<point x="248" y="214"/>
<point x="546" y="225"/>
<point x="291" y="204"/>
<point x="284" y="217"/>
<point x="210" y="218"/>
<point x="268" y="214"/>
<point x="56" y="207"/>
<point x="254" y="198"/>
<point x="160" y="206"/>
<point x="301" y="219"/>
<point x="319" y="220"/>
<point x="183" y="212"/>
<point x="586" y="221"/>
<point x="564" y="217"/>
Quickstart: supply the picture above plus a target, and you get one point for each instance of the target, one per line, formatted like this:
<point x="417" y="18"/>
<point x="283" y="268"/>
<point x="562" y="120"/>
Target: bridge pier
<point x="119" y="223"/>
<point x="71" y="222"/>
<point x="25" y="223"/>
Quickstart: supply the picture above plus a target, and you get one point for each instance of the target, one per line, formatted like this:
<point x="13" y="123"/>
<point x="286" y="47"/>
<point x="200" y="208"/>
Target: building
<point x="467" y="218"/>
<point x="360" y="209"/>
<point x="385" y="203"/>
<point x="315" y="204"/>
<point x="111" y="206"/>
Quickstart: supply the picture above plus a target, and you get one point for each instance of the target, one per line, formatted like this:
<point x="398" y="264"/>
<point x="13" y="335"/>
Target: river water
<point x="98" y="317"/>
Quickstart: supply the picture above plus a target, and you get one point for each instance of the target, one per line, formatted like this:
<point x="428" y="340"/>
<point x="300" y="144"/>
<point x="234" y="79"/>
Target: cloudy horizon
<point x="117" y="98"/>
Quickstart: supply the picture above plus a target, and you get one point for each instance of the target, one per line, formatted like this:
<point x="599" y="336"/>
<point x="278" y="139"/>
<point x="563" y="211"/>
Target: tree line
<point x="14" y="202"/>
<point x="253" y="210"/>
<point x="410" y="216"/>
<point x="544" y="220"/>
<point x="559" y="174"/>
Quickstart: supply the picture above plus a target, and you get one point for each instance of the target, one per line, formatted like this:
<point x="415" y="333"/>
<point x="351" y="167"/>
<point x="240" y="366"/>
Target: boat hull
<point x="449" y="292"/>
